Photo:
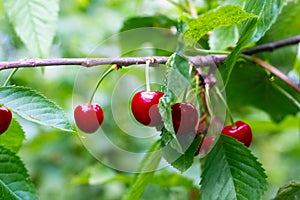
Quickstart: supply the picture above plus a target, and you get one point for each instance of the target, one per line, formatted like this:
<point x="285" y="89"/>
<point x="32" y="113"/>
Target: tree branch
<point x="272" y="46"/>
<point x="90" y="62"/>
<point x="277" y="73"/>
<point x="85" y="62"/>
<point x="198" y="61"/>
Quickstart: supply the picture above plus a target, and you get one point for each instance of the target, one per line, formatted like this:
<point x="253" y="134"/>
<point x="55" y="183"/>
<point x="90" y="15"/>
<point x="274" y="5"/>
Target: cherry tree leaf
<point x="182" y="160"/>
<point x="34" y="107"/>
<point x="231" y="171"/>
<point x="14" y="179"/>
<point x="290" y="191"/>
<point x="287" y="25"/>
<point x="13" y="137"/>
<point x="223" y="16"/>
<point x="261" y="91"/>
<point x="35" y="23"/>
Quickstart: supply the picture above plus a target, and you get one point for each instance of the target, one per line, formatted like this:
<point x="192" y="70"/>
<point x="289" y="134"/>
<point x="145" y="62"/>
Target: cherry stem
<point x="148" y="89"/>
<point x="10" y="76"/>
<point x="105" y="73"/>
<point x="227" y="107"/>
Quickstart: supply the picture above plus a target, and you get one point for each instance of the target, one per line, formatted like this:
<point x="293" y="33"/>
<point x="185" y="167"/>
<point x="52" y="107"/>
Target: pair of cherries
<point x="144" y="106"/>
<point x="240" y="131"/>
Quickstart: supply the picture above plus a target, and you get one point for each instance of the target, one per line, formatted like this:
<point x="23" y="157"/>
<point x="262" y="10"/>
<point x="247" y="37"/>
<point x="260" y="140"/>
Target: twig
<point x="198" y="61"/>
<point x="85" y="62"/>
<point x="90" y="62"/>
<point x="272" y="46"/>
<point x="277" y="73"/>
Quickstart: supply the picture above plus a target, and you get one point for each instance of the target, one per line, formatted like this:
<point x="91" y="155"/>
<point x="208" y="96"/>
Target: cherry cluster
<point x="144" y="107"/>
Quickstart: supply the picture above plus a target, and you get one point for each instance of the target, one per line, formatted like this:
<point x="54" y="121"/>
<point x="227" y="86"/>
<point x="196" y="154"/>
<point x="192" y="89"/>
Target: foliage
<point x="58" y="165"/>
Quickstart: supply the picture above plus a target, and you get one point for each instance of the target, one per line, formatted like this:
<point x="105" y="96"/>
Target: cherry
<point x="88" y="118"/>
<point x="242" y="132"/>
<point x="144" y="107"/>
<point x="184" y="118"/>
<point x="205" y="143"/>
<point x="5" y="119"/>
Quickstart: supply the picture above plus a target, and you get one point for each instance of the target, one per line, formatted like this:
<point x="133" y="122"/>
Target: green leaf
<point x="291" y="191"/>
<point x="261" y="90"/>
<point x="232" y="172"/>
<point x="223" y="16"/>
<point x="14" y="179"/>
<point x="231" y="60"/>
<point x="177" y="81"/>
<point x="145" y="173"/>
<point x="267" y="12"/>
<point x="268" y="15"/>
<point x="165" y="111"/>
<point x="223" y="37"/>
<point x="287" y="25"/>
<point x="35" y="23"/>
<point x="13" y="137"/>
<point x="182" y="161"/>
<point x="34" y="107"/>
<point x="180" y="65"/>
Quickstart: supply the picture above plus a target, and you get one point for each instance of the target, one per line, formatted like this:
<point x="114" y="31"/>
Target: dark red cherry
<point x="205" y="144"/>
<point x="184" y="118"/>
<point x="144" y="107"/>
<point x="242" y="132"/>
<point x="88" y="118"/>
<point x="5" y="119"/>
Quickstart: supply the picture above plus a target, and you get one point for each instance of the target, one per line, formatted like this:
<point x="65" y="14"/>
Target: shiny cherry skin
<point x="5" y="119"/>
<point x="144" y="107"/>
<point x="88" y="118"/>
<point x="184" y="118"/>
<point x="205" y="144"/>
<point x="242" y="132"/>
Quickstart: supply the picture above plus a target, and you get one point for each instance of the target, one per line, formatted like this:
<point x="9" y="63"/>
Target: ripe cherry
<point x="242" y="132"/>
<point x="184" y="118"/>
<point x="205" y="144"/>
<point x="88" y="118"/>
<point x="5" y="119"/>
<point x="144" y="107"/>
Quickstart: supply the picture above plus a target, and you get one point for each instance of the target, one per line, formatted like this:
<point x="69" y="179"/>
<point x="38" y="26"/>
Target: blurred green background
<point x="59" y="161"/>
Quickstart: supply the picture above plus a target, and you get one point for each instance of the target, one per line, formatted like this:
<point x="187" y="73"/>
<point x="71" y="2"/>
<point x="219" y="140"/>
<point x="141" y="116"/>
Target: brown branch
<point x="272" y="46"/>
<point x="90" y="62"/>
<point x="277" y="73"/>
<point x="85" y="62"/>
<point x="198" y="61"/>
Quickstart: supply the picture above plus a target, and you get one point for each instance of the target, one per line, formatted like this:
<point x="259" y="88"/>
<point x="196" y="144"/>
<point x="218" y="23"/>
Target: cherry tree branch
<point x="272" y="46"/>
<point x="198" y="61"/>
<point x="277" y="73"/>
<point x="127" y="61"/>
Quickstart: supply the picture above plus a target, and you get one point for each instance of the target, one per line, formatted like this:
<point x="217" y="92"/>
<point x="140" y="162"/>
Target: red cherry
<point x="184" y="118"/>
<point x="144" y="107"/>
<point x="88" y="118"/>
<point x="5" y="119"/>
<point x="242" y="132"/>
<point x="205" y="144"/>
